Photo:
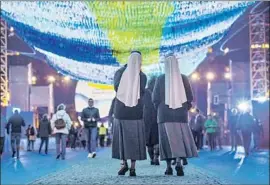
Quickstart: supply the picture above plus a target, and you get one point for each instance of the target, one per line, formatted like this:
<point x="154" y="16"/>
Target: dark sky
<point x="65" y="93"/>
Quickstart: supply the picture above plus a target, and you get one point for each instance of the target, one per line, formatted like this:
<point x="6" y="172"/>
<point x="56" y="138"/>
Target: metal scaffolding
<point x="4" y="65"/>
<point x="259" y="55"/>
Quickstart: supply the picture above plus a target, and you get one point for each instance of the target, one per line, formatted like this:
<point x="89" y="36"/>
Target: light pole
<point x="209" y="76"/>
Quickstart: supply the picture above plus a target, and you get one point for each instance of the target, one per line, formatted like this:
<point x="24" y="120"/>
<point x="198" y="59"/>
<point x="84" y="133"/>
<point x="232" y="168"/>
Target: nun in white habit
<point x="172" y="96"/>
<point x="128" y="135"/>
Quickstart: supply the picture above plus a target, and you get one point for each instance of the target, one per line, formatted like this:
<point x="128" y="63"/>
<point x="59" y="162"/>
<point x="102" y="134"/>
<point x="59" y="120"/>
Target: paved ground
<point x="219" y="167"/>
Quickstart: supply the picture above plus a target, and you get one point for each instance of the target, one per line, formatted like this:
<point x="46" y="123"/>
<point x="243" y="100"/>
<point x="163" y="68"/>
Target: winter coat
<point x="197" y="125"/>
<point x="16" y="122"/>
<point x="61" y="114"/>
<point x="123" y="112"/>
<point x="210" y="126"/>
<point x="166" y="114"/>
<point x="150" y="119"/>
<point x="44" y="129"/>
<point x="90" y="112"/>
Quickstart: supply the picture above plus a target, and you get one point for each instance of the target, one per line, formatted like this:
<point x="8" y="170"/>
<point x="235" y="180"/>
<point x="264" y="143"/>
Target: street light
<point x="195" y="76"/>
<point x="226" y="50"/>
<point x="209" y="76"/>
<point x="227" y="76"/>
<point x="34" y="80"/>
<point x="66" y="78"/>
<point x="51" y="79"/>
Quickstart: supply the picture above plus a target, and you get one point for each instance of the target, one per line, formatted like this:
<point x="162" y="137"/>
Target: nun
<point x="172" y="96"/>
<point x="129" y="132"/>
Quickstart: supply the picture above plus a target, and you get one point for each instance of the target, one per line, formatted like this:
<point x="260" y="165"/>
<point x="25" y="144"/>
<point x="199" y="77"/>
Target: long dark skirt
<point x="128" y="140"/>
<point x="176" y="140"/>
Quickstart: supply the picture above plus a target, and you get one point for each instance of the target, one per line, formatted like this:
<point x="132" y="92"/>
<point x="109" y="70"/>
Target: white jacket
<point x="58" y="115"/>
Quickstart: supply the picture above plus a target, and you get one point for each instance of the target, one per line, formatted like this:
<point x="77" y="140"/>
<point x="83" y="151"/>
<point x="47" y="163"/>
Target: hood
<point x="60" y="113"/>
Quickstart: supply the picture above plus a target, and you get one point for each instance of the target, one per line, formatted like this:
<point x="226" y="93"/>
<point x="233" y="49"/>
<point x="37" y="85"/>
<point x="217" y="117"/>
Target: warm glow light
<point x="210" y="76"/>
<point x="51" y="79"/>
<point x="34" y="79"/>
<point x="67" y="78"/>
<point x="227" y="69"/>
<point x="210" y="50"/>
<point x="193" y="110"/>
<point x="243" y="106"/>
<point x="227" y="76"/>
<point x="195" y="76"/>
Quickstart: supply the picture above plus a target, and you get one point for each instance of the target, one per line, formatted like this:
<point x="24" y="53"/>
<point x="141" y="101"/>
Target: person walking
<point x="32" y="138"/>
<point x="197" y="125"/>
<point x="219" y="132"/>
<point x="245" y="125"/>
<point x="151" y="126"/>
<point x="15" y="123"/>
<point x="27" y="134"/>
<point x="2" y="134"/>
<point x="82" y="137"/>
<point x="257" y="133"/>
<point x="210" y="128"/>
<point x="73" y="136"/>
<point x="90" y="116"/>
<point x="102" y="134"/>
<point x="172" y="96"/>
<point x="128" y="133"/>
<point x="44" y="131"/>
<point x="60" y="124"/>
<point x="233" y="118"/>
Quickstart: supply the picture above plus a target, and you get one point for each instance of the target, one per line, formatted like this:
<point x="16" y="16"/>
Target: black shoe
<point x="152" y="162"/>
<point x="179" y="170"/>
<point x="185" y="162"/>
<point x="169" y="171"/>
<point x="46" y="153"/>
<point x="157" y="163"/>
<point x="13" y="154"/>
<point x="58" y="156"/>
<point x="123" y="170"/>
<point x="132" y="173"/>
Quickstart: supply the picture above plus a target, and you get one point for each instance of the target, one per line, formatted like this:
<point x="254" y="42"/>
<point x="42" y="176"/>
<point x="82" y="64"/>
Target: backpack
<point x="59" y="123"/>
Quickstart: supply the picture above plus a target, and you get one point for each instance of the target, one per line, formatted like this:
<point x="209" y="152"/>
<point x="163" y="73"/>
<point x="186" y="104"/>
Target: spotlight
<point x="51" y="79"/>
<point x="228" y="76"/>
<point x="226" y="50"/>
<point x="11" y="29"/>
<point x="243" y="106"/>
<point x="210" y="76"/>
<point x="195" y="76"/>
<point x="66" y="78"/>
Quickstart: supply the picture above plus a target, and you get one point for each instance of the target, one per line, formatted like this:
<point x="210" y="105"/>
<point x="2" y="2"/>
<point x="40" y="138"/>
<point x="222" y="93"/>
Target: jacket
<point x="210" y="126"/>
<point x="90" y="112"/>
<point x="233" y="122"/>
<point x="166" y="114"/>
<point x="61" y="114"/>
<point x="123" y="112"/>
<point x="44" y="129"/>
<point x="197" y="125"/>
<point x="16" y="122"/>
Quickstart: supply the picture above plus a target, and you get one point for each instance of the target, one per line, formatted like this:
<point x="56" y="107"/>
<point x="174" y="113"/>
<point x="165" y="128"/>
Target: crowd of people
<point x="153" y="118"/>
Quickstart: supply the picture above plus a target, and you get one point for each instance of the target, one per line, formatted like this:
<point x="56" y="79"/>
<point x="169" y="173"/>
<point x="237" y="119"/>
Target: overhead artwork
<point x="90" y="40"/>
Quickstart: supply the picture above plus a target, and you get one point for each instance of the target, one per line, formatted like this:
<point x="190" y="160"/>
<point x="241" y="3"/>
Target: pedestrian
<point x="32" y="138"/>
<point x="257" y="133"/>
<point x="245" y="125"/>
<point x="73" y="133"/>
<point x="151" y="126"/>
<point x="44" y="131"/>
<point x="15" y="123"/>
<point x="27" y="133"/>
<point x="210" y="127"/>
<point x="172" y="96"/>
<point x="2" y="136"/>
<point x="82" y="137"/>
<point x="102" y="134"/>
<point x="233" y="118"/>
<point x="128" y="133"/>
<point x="90" y="116"/>
<point x="197" y="126"/>
<point x="60" y="124"/>
<point x="219" y="131"/>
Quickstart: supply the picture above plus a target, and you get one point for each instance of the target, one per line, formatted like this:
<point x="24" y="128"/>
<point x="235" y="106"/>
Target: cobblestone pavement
<point x="103" y="170"/>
